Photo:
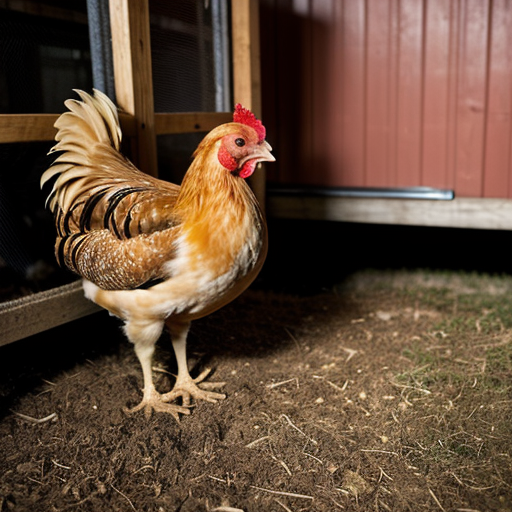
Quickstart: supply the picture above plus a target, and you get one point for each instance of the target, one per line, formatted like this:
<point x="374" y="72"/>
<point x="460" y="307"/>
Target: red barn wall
<point x="389" y="93"/>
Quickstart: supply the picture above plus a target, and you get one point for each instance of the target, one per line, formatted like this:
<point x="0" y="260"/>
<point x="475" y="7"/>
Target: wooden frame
<point x="464" y="212"/>
<point x="134" y="92"/>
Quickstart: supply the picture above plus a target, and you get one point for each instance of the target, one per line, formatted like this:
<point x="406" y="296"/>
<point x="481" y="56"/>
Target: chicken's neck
<point x="220" y="215"/>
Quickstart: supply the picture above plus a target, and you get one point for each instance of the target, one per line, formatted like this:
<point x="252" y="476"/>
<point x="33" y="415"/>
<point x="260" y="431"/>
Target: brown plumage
<point x="152" y="252"/>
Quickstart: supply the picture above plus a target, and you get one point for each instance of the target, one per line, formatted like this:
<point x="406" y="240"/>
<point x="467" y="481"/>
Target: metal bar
<point x="101" y="47"/>
<point x="367" y="192"/>
<point x="221" y="55"/>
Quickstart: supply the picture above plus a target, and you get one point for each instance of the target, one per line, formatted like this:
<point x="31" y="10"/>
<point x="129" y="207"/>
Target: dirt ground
<point x="384" y="391"/>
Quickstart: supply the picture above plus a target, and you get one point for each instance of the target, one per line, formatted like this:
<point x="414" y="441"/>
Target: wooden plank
<point x="474" y="213"/>
<point x="323" y="96"/>
<point x="27" y="127"/>
<point x="472" y="80"/>
<point x="409" y="94"/>
<point x="452" y="106"/>
<point x="131" y="49"/>
<point x="292" y="64"/>
<point x="269" y="80"/>
<point x="246" y="54"/>
<point x="39" y="127"/>
<point x="246" y="69"/>
<point x="497" y="165"/>
<point x="37" y="8"/>
<point x="380" y="92"/>
<point x="166" y="124"/>
<point x="436" y="95"/>
<point x="35" y="313"/>
<point x="351" y="142"/>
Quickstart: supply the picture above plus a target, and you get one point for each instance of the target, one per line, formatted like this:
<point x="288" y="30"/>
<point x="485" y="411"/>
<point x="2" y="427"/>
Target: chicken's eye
<point x="240" y="142"/>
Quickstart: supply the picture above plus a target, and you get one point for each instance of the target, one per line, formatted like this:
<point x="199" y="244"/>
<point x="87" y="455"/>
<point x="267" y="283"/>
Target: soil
<point x="382" y="390"/>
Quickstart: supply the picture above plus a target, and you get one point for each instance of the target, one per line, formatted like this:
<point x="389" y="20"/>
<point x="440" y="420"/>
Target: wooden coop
<point x="174" y="68"/>
<point x="388" y="111"/>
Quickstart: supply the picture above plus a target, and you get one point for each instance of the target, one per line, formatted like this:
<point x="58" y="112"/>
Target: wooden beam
<point x="38" y="8"/>
<point x="35" y="313"/>
<point x="131" y="50"/>
<point x="166" y="124"/>
<point x="246" y="69"/>
<point x="27" y="127"/>
<point x="246" y="54"/>
<point x="463" y="212"/>
<point x="39" y="127"/>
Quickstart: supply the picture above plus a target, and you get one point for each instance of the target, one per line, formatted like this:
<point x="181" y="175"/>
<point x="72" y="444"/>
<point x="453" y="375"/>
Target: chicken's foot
<point x="186" y="388"/>
<point x="154" y="401"/>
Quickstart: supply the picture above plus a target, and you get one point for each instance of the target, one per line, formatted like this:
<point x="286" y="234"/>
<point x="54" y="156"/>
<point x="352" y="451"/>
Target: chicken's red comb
<point x="245" y="116"/>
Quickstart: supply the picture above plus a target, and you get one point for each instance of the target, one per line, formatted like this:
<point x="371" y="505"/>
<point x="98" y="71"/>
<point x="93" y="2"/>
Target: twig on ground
<point x="270" y="491"/>
<point x="125" y="497"/>
<point x="383" y="473"/>
<point x="313" y="457"/>
<point x="435" y="499"/>
<point x="464" y="484"/>
<point x="226" y="509"/>
<point x="351" y="353"/>
<point x="283" y="463"/>
<point x="414" y="388"/>
<point x="257" y="441"/>
<point x="50" y="417"/>
<point x="297" y="428"/>
<point x="147" y="466"/>
<point x="60" y="465"/>
<point x="335" y="386"/>
<point x="217" y="479"/>
<point x="282" y="383"/>
<point x="282" y="493"/>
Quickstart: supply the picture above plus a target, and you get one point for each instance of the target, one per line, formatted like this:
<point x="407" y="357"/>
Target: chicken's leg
<point x="152" y="400"/>
<point x="186" y="387"/>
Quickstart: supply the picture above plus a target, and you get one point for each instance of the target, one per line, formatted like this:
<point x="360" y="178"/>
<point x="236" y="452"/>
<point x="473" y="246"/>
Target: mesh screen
<point x="42" y="58"/>
<point x="182" y="55"/>
<point x="175" y="154"/>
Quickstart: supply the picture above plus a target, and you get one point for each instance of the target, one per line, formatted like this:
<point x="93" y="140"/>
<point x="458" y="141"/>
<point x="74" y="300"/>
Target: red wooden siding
<point x="389" y="93"/>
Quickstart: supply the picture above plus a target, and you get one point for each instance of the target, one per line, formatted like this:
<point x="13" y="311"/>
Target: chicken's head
<point x="244" y="145"/>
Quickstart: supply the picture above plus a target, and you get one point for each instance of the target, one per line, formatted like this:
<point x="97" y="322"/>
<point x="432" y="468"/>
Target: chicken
<point x="151" y="252"/>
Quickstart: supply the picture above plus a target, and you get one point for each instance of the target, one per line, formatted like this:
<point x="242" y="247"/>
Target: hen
<point x="149" y="251"/>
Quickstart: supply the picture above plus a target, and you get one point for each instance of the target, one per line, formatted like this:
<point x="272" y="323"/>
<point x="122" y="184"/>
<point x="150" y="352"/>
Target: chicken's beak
<point x="265" y="150"/>
<point x="261" y="153"/>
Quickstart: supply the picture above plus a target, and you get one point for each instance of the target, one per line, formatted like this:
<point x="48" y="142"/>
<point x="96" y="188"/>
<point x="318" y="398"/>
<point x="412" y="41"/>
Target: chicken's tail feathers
<point x="90" y="123"/>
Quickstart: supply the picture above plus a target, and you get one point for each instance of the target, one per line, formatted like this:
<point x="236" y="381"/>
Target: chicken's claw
<point x="188" y="388"/>
<point x="154" y="401"/>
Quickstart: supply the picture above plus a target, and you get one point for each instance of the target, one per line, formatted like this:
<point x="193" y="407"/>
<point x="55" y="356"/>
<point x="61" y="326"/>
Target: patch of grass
<point x="498" y="369"/>
<point x="499" y="359"/>
<point x="456" y="392"/>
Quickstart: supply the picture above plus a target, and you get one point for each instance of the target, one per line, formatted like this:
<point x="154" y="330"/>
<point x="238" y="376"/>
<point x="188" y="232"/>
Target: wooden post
<point x="246" y="69"/>
<point x="129" y="20"/>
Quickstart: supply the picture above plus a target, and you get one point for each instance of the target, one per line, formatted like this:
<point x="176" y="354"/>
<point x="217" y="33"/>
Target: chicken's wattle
<point x="248" y="168"/>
